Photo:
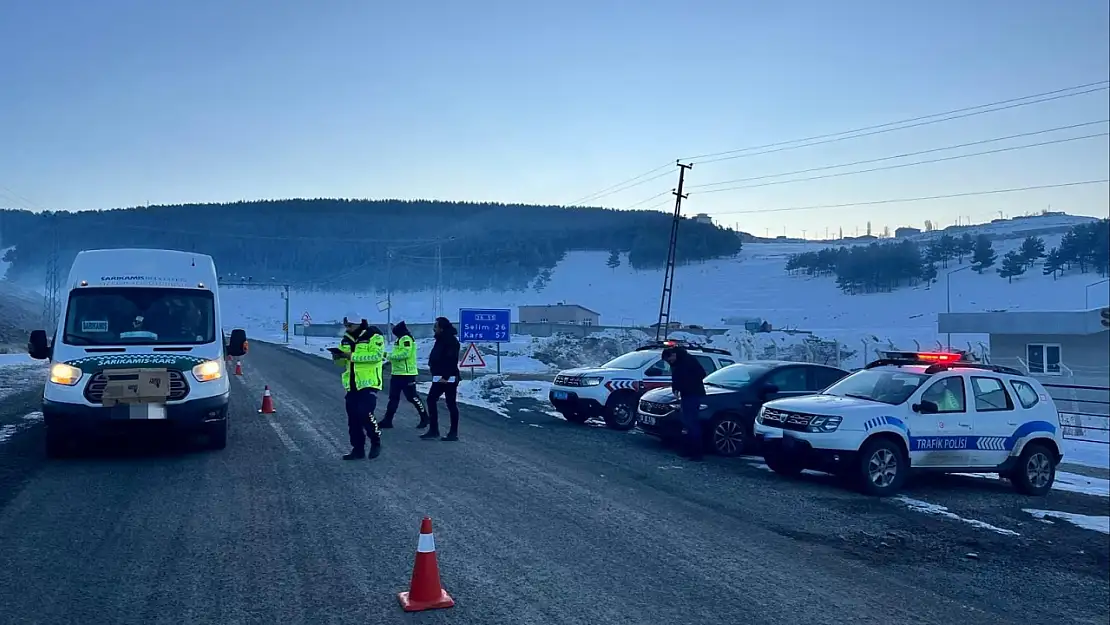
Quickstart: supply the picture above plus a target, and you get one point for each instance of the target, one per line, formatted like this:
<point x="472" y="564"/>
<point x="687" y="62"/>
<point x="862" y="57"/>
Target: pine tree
<point x="1013" y="264"/>
<point x="928" y="271"/>
<point x="982" y="256"/>
<point x="1032" y="250"/>
<point x="614" y="260"/>
<point x="964" y="246"/>
<point x="1053" y="264"/>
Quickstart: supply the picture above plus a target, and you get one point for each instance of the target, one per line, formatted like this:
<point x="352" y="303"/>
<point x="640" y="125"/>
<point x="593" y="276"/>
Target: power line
<point x="607" y="191"/>
<point x="905" y="124"/>
<point x="903" y="155"/>
<point x="646" y="200"/>
<point x="913" y="164"/>
<point x="915" y="199"/>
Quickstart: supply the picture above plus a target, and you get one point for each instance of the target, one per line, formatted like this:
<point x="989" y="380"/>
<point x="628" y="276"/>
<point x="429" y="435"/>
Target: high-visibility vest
<point x="363" y="362"/>
<point x="402" y="359"/>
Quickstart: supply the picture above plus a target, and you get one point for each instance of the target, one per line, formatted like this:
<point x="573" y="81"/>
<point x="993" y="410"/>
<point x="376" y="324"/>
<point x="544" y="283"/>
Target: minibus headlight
<point x="208" y="370"/>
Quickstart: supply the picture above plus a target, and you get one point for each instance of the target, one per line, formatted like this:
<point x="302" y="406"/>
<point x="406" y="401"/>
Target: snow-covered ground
<point x="19" y="372"/>
<point x="1096" y="523"/>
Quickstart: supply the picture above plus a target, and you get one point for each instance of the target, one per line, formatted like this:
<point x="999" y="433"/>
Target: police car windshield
<point x="880" y="385"/>
<point x="631" y="360"/>
<point x="140" y="316"/>
<point x="734" y="376"/>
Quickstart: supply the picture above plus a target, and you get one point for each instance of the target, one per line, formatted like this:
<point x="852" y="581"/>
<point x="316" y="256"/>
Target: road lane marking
<point x="281" y="434"/>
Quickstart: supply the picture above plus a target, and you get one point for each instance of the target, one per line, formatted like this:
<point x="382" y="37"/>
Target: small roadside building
<point x="1065" y="346"/>
<point x="570" y="314"/>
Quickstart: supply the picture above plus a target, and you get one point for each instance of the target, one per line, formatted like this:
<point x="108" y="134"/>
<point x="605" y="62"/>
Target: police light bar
<point x="940" y="357"/>
<point x="924" y="356"/>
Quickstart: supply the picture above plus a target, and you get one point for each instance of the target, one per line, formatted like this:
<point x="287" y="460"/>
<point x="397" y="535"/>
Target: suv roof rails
<point x="945" y="366"/>
<point x="698" y="347"/>
<point x="896" y="362"/>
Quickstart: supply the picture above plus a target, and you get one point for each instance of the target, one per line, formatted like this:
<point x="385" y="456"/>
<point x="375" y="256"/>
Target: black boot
<point x="694" y="453"/>
<point x="375" y="450"/>
<point x="356" y="454"/>
<point x="451" y="436"/>
<point x="423" y="422"/>
<point x="430" y="435"/>
<point x="386" y="424"/>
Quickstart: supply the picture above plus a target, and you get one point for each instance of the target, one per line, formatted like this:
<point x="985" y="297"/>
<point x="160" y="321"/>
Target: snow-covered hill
<point x="753" y="285"/>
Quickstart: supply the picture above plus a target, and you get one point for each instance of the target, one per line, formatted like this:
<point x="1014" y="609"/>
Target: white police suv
<point x="921" y="412"/>
<point x="612" y="391"/>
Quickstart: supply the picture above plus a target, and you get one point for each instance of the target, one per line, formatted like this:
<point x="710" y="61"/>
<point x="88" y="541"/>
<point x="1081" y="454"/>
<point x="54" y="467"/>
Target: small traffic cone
<point x="227" y="358"/>
<point x="238" y="367"/>
<point x="267" y="402"/>
<point x="425" y="591"/>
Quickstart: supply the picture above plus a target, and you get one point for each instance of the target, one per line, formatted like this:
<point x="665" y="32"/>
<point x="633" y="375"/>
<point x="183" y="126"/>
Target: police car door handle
<point x="965" y="425"/>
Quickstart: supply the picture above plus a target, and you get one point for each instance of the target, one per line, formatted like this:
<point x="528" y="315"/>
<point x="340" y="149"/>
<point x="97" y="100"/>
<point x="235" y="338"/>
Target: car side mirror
<point x="654" y="372"/>
<point x="38" y="347"/>
<point x="926" y="407"/>
<point x="768" y="389"/>
<point x="237" y="344"/>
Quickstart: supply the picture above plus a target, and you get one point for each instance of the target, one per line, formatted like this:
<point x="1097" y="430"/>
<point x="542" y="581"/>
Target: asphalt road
<point x="537" y="521"/>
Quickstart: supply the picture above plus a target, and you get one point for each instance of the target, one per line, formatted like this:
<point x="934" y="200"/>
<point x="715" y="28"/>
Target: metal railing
<point x="1084" y="411"/>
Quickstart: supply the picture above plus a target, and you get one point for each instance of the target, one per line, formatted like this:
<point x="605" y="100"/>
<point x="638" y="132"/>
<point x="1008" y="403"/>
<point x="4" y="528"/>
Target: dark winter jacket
<point x="686" y="374"/>
<point x="444" y="359"/>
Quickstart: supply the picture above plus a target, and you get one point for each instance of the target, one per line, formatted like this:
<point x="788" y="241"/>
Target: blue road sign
<point x="485" y="325"/>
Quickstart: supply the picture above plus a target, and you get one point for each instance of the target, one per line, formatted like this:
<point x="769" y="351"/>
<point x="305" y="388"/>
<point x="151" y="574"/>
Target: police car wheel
<point x="729" y="436"/>
<point x="882" y="467"/>
<point x="620" y="413"/>
<point x="782" y="463"/>
<point x="574" y="416"/>
<point x="1035" y="471"/>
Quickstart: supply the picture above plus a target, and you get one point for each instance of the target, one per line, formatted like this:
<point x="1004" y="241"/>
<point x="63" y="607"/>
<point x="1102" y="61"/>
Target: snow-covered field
<point x="753" y="285"/>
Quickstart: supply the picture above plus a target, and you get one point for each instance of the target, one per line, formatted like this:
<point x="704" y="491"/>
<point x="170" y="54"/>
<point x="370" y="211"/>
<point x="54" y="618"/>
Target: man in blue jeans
<point x="686" y="383"/>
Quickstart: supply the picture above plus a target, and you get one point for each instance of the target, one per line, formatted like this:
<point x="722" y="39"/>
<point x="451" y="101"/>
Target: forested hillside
<point x="360" y="244"/>
<point x="889" y="265"/>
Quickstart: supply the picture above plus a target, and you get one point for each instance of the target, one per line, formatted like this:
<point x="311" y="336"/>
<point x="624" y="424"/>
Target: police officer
<point x="360" y="354"/>
<point x="402" y="376"/>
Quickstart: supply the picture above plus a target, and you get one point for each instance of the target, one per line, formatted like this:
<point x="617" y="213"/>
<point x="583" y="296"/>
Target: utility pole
<point x="52" y="281"/>
<point x="389" y="291"/>
<point x="663" y="329"/>
<point x="286" y="326"/>
<point x="437" y="303"/>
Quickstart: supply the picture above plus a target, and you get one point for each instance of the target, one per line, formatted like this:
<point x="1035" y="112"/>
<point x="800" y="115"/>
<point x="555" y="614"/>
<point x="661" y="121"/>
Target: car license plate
<point x="646" y="420"/>
<point x="559" y="394"/>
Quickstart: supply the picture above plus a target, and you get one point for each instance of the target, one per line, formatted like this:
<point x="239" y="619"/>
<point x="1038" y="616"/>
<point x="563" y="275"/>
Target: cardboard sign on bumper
<point x="137" y="393"/>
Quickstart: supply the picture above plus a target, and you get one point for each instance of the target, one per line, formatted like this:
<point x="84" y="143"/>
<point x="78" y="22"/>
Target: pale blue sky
<point x="109" y="103"/>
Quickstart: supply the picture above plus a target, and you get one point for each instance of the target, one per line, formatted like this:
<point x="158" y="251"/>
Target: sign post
<point x="486" y="325"/>
<point x="306" y="319"/>
<point x="472" y="358"/>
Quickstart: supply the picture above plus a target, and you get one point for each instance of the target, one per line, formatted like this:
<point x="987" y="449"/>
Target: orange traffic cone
<point x="425" y="591"/>
<point x="238" y="367"/>
<point x="267" y="402"/>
